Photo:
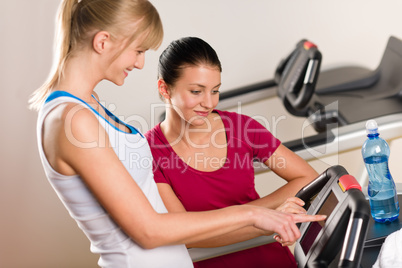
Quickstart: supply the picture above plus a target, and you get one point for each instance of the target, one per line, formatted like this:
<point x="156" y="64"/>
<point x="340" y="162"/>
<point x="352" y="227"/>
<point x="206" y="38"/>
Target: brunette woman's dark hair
<point x="182" y="53"/>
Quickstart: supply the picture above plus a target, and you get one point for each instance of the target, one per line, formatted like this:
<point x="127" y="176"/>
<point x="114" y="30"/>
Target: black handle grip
<point x="309" y="192"/>
<point x="297" y="76"/>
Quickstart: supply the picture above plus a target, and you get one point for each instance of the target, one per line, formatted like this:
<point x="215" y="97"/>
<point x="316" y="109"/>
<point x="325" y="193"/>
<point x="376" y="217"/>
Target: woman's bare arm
<point x="292" y="168"/>
<point x="173" y="204"/>
<point x="117" y="192"/>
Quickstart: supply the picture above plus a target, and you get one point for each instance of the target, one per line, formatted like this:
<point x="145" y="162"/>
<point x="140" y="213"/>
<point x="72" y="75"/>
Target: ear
<point x="163" y="89"/>
<point x="101" y="41"/>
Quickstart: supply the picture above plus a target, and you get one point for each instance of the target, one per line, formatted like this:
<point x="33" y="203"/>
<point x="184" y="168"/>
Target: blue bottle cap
<point x="371" y="127"/>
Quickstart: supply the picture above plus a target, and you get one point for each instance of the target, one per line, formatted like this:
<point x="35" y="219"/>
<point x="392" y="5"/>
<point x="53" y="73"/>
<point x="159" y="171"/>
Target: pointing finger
<point x="307" y="218"/>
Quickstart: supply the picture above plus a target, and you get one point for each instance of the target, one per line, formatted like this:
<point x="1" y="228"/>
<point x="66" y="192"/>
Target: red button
<point x="348" y="182"/>
<point x="307" y="45"/>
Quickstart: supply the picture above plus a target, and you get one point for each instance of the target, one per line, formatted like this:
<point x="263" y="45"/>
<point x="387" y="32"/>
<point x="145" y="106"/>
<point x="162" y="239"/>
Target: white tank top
<point x="116" y="249"/>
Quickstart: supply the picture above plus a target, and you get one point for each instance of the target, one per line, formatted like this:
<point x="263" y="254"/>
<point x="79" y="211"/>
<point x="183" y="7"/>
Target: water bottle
<point x="381" y="187"/>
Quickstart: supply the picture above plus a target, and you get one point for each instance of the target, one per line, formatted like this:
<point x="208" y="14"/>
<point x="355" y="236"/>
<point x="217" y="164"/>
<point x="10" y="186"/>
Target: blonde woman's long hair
<point x="78" y="21"/>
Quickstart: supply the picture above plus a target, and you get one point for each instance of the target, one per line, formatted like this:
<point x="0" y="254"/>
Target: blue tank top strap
<point x="59" y="93"/>
<point x="115" y="118"/>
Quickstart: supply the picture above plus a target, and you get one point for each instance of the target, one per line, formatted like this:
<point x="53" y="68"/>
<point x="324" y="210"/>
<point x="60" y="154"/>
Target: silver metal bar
<point x="354" y="227"/>
<point x="311" y="71"/>
<point x="199" y="254"/>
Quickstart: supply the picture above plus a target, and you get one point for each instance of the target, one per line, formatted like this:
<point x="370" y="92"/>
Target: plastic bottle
<point x="381" y="187"/>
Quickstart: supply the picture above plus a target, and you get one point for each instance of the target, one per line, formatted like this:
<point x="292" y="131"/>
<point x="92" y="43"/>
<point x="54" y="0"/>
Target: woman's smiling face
<point x="196" y="93"/>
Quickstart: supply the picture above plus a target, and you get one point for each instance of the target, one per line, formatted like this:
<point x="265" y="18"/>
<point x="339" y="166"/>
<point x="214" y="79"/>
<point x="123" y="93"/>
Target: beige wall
<point x="250" y="37"/>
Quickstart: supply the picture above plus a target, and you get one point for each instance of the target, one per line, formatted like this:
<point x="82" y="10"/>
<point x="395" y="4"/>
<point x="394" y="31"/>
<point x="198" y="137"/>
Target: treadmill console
<point x="338" y="241"/>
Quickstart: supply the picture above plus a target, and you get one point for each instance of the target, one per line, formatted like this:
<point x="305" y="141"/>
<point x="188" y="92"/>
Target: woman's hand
<point x="293" y="205"/>
<point x="284" y="224"/>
